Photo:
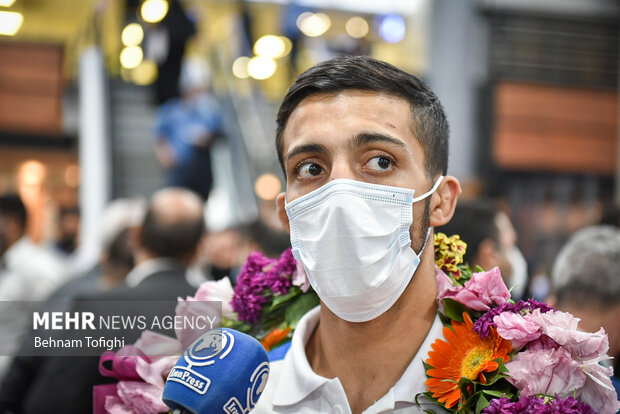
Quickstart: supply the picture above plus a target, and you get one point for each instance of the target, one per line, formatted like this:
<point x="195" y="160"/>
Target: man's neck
<point x="353" y="352"/>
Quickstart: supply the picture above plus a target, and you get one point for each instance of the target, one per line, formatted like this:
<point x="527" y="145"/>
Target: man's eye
<point x="380" y="163"/>
<point x="310" y="170"/>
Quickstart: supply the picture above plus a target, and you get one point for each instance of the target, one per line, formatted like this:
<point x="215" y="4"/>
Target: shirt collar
<point x="147" y="268"/>
<point x="413" y="380"/>
<point x="298" y="380"/>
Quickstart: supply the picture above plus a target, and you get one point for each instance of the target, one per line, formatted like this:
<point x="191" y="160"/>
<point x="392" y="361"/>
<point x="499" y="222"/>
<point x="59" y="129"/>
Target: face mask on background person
<point x="354" y="242"/>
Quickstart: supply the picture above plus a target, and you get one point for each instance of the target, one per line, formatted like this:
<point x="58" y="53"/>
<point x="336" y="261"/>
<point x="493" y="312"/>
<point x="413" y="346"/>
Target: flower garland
<point x="502" y="357"/>
<point x="496" y="357"/>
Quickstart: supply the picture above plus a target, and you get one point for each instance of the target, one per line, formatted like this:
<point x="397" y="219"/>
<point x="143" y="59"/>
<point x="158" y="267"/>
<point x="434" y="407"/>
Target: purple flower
<point x="260" y="278"/>
<point x="279" y="276"/>
<point x="483" y="324"/>
<point x="525" y="405"/>
<point x="536" y="405"/>
<point x="568" y="405"/>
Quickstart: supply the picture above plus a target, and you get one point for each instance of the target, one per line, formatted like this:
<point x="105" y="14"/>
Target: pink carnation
<point x="445" y="288"/>
<point x="155" y="344"/>
<point x="202" y="316"/>
<point x="598" y="390"/>
<point x="518" y="329"/>
<point x="479" y="293"/>
<point x="300" y="278"/>
<point x="156" y="372"/>
<point x="137" y="398"/>
<point x="114" y="405"/>
<point x="545" y="371"/>
<point x="562" y="328"/>
<point x="220" y="290"/>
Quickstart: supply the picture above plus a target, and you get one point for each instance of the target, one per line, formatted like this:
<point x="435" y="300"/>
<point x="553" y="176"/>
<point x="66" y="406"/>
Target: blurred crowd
<point x="156" y="249"/>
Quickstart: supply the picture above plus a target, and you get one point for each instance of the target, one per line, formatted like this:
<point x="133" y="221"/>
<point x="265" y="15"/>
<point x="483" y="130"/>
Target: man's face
<point x="357" y="135"/>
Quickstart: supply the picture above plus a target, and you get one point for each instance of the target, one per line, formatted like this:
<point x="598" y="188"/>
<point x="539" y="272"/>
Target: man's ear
<point x="443" y="201"/>
<point x="281" y="211"/>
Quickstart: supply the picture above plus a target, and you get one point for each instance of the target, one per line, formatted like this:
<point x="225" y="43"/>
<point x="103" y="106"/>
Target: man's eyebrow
<point x="306" y="148"/>
<point x="366" y="138"/>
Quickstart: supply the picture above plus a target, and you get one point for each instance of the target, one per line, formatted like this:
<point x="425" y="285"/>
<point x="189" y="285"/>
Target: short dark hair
<point x="12" y="205"/>
<point x="474" y="221"/>
<point x="430" y="126"/>
<point x="119" y="251"/>
<point x="176" y="239"/>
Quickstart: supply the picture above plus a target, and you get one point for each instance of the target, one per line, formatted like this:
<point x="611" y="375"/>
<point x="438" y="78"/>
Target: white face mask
<point x="353" y="240"/>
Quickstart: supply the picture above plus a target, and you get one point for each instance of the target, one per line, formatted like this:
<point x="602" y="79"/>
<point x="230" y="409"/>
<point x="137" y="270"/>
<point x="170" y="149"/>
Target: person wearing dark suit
<point x="163" y="246"/>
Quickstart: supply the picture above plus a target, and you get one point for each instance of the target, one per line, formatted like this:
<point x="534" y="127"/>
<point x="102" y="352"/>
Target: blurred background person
<point x="115" y="263"/>
<point x="164" y="246"/>
<point x="165" y="44"/>
<point x="586" y="283"/>
<point x="226" y="251"/>
<point x="28" y="273"/>
<point x="491" y="241"/>
<point x="116" y="259"/>
<point x="67" y="230"/>
<point x="185" y="129"/>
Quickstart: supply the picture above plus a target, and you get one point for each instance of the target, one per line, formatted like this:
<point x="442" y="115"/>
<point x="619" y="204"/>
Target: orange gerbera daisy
<point x="463" y="354"/>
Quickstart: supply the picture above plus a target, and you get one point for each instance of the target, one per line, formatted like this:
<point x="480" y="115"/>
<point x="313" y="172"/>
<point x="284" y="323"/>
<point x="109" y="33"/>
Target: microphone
<point x="222" y="371"/>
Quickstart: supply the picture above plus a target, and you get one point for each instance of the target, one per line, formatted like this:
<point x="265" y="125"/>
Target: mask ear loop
<point x="428" y="234"/>
<point x="422" y="197"/>
<point x="431" y="191"/>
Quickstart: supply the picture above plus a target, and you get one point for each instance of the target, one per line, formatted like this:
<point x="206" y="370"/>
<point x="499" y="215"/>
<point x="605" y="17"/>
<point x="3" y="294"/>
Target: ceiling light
<point x="10" y="22"/>
<point x="154" y="11"/>
<point x="132" y="34"/>
<point x="262" y="67"/>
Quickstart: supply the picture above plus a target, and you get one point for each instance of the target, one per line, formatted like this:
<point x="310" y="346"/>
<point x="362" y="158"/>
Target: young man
<point x="356" y="138"/>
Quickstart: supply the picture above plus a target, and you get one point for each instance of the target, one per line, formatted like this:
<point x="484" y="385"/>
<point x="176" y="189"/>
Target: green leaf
<point x="502" y="367"/>
<point x="427" y="366"/>
<point x="279" y="299"/>
<point x="482" y="404"/>
<point x="494" y="393"/>
<point x="445" y="321"/>
<point x="453" y="310"/>
<point x="429" y="396"/>
<point x="299" y="308"/>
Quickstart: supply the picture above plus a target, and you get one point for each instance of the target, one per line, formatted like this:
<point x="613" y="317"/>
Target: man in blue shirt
<point x="185" y="129"/>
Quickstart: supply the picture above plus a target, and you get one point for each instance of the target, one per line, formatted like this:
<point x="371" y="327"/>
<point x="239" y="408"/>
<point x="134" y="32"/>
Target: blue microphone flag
<point x="223" y="371"/>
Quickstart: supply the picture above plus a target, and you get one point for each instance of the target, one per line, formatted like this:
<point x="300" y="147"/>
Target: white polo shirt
<point x="293" y="386"/>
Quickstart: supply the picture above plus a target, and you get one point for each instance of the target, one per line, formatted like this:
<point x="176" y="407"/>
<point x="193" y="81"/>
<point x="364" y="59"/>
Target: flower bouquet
<point x="270" y="297"/>
<point x="498" y="356"/>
